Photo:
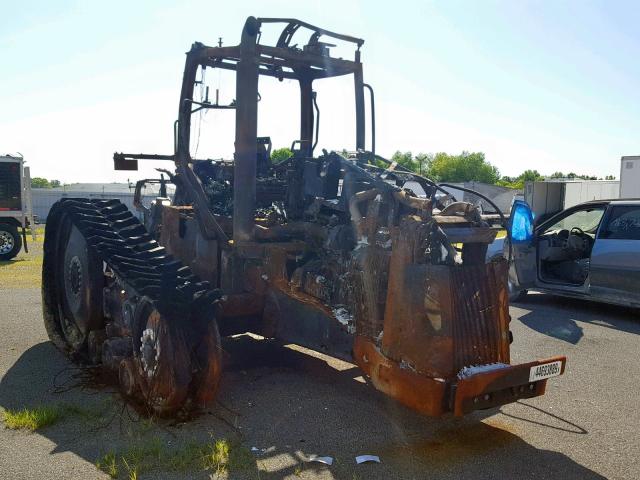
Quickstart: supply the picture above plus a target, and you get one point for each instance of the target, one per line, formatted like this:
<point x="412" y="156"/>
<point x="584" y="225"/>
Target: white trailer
<point x="16" y="210"/>
<point x="630" y="177"/>
<point x="548" y="197"/>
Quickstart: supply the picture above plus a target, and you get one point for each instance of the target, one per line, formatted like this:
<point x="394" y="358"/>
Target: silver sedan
<point x="591" y="250"/>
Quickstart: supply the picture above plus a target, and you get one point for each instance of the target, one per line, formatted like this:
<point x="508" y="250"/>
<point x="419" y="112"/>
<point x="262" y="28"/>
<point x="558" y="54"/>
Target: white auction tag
<point x="546" y="370"/>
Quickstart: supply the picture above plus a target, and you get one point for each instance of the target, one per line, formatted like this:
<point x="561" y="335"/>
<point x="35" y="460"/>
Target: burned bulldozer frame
<point x="335" y="253"/>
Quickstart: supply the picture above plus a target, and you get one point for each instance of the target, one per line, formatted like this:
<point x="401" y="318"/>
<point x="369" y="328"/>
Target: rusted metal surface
<point x="420" y="392"/>
<point x="333" y="252"/>
<point x="498" y="387"/>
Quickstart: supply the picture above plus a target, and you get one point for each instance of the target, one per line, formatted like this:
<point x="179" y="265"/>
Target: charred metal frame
<point x="249" y="60"/>
<point x="423" y="303"/>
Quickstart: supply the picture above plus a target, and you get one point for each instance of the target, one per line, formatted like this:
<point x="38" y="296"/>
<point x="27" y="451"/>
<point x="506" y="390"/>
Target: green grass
<point x="41" y="416"/>
<point x="31" y="418"/>
<point x="108" y="463"/>
<point x="218" y="457"/>
<point x="25" y="270"/>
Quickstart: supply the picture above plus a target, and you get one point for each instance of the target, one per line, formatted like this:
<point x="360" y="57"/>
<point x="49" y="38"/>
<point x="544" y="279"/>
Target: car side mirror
<point x="521" y="222"/>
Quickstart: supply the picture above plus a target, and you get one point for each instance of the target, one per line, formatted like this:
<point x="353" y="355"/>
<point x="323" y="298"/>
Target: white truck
<point x="630" y="177"/>
<point x="16" y="212"/>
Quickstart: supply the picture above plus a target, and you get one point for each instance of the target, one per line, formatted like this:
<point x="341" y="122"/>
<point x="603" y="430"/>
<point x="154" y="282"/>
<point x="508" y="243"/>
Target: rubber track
<point x="136" y="258"/>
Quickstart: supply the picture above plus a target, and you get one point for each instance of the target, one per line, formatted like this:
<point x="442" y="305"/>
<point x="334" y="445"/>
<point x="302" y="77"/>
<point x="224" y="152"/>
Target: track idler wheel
<point x="72" y="283"/>
<point x="207" y="363"/>
<point x="178" y="363"/>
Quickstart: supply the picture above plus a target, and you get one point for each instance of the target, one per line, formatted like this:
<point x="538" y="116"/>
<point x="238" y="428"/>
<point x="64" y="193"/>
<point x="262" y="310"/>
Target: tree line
<point x="474" y="167"/>
<point x="39" y="182"/>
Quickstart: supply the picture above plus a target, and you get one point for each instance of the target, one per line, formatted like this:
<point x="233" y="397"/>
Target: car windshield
<point x="586" y="220"/>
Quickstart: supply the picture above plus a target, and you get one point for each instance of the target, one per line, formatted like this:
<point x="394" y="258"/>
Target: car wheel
<point x="10" y="241"/>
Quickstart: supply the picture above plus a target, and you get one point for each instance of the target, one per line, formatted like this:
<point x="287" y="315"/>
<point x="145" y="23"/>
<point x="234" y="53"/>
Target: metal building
<point x="44" y="198"/>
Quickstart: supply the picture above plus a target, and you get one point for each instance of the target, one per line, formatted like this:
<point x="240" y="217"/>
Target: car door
<point x="551" y="248"/>
<point x="615" y="258"/>
<point x="526" y="262"/>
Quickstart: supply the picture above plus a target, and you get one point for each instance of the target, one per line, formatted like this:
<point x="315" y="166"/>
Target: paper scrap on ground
<point x="367" y="458"/>
<point x="325" y="460"/>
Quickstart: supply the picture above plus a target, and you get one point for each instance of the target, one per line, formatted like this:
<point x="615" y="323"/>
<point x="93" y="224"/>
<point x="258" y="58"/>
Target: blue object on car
<point x="521" y="222"/>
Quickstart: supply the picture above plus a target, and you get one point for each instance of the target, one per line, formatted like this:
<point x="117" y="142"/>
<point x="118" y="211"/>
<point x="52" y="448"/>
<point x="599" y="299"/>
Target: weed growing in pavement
<point x="132" y="470"/>
<point x="41" y="416"/>
<point x="108" y="464"/>
<point x="219" y="457"/>
<point x="31" y="418"/>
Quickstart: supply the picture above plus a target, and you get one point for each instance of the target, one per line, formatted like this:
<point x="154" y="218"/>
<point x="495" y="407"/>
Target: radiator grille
<point x="479" y="315"/>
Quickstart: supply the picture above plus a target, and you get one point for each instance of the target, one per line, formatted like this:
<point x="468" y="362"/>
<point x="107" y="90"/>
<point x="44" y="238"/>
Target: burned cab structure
<point x="329" y="251"/>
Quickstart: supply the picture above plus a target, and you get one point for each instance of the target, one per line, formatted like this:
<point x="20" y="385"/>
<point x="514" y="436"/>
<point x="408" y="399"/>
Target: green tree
<point x="530" y="176"/>
<point x="610" y="177"/>
<point x="281" y="154"/>
<point x="406" y="160"/>
<point x="466" y="167"/>
<point x="424" y="162"/>
<point x="39" y="182"/>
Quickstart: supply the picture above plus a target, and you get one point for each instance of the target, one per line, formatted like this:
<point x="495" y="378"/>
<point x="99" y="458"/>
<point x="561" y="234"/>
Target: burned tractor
<point x="346" y="254"/>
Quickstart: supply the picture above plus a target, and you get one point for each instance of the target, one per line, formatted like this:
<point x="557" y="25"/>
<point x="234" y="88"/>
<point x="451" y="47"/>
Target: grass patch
<point x="25" y="270"/>
<point x="42" y="416"/>
<point x="31" y="418"/>
<point x="218" y="457"/>
<point x="108" y="463"/>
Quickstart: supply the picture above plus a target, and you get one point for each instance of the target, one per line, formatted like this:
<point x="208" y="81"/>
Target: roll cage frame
<point x="251" y="59"/>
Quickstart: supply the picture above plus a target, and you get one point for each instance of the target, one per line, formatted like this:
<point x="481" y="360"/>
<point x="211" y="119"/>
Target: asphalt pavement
<point x="289" y="403"/>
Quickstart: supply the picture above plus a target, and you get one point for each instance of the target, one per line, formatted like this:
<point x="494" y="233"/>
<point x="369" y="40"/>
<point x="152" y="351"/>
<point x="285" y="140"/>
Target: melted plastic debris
<point x="262" y="451"/>
<point x="318" y="459"/>
<point x="475" y="369"/>
<point x="345" y="318"/>
<point x="367" y="458"/>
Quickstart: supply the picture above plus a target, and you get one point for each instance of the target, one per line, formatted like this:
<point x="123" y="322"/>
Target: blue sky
<point x="549" y="85"/>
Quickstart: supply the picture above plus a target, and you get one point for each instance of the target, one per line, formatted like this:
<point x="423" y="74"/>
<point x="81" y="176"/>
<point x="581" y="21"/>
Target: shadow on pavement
<point x="558" y="316"/>
<point x="293" y="404"/>
<point x="565" y="425"/>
